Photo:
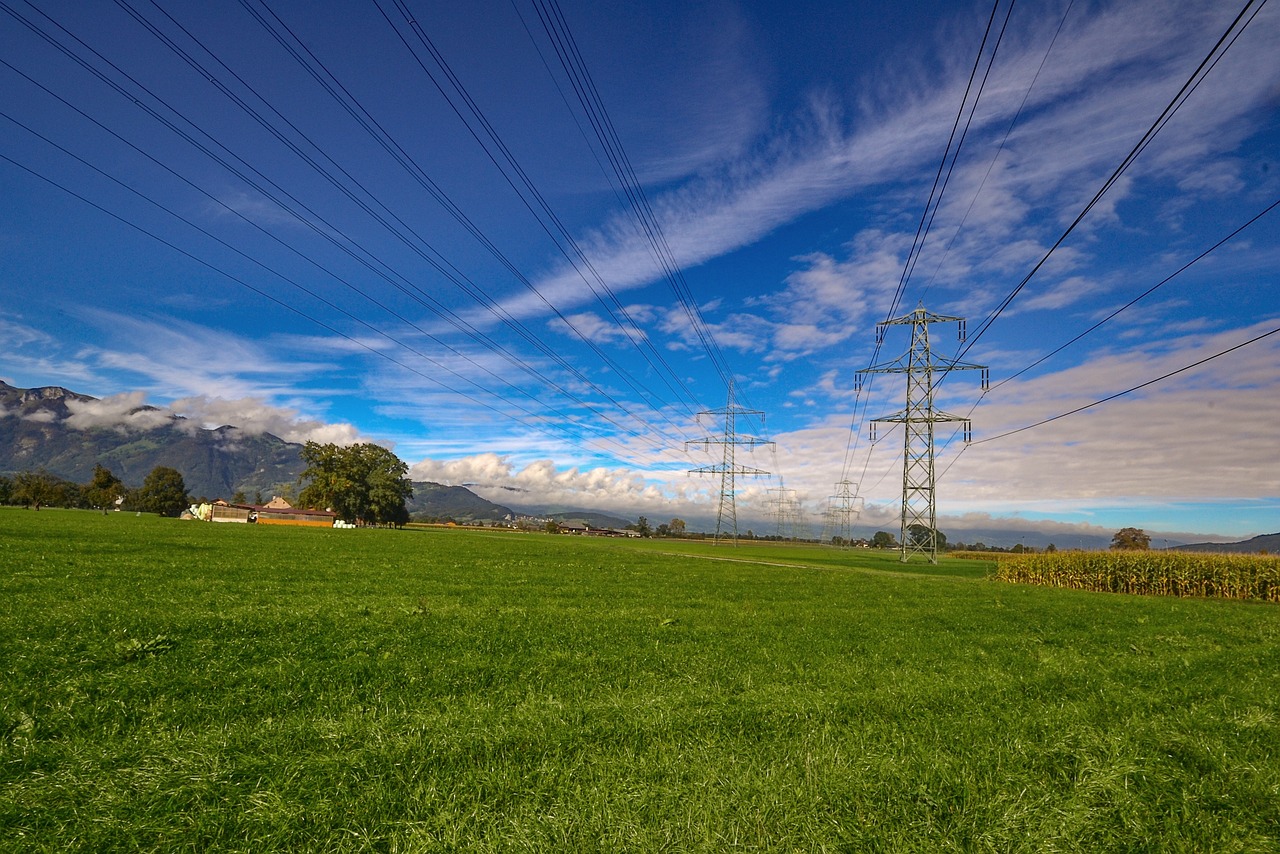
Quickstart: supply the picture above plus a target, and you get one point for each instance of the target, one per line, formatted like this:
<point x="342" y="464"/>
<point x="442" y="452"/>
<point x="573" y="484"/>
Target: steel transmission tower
<point x="787" y="511"/>
<point x="842" y="509"/>
<point x="924" y="370"/>
<point x="727" y="468"/>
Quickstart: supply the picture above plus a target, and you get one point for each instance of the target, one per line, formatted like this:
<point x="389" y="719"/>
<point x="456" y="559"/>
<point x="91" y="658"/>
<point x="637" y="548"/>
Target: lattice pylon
<point x="919" y="535"/>
<point x="728" y="469"/>
<point x="786" y="509"/>
<point x="843" y="508"/>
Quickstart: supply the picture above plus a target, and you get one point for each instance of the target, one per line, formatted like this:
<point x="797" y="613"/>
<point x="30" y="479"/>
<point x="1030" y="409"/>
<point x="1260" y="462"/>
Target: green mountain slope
<point x="37" y="431"/>
<point x="433" y="501"/>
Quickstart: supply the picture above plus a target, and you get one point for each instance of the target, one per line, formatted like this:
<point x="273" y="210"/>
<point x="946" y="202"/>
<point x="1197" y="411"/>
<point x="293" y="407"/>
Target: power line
<point x="563" y="418"/>
<point x="1148" y="292"/>
<point x="1004" y="140"/>
<point x="328" y="231"/>
<point x="1138" y="387"/>
<point x="1200" y="257"/>
<point x="932" y="204"/>
<point x="329" y="82"/>
<point x="952" y="154"/>
<point x="536" y="203"/>
<point x="306" y="257"/>
<point x="1219" y="49"/>
<point x="267" y="295"/>
<point x="576" y="70"/>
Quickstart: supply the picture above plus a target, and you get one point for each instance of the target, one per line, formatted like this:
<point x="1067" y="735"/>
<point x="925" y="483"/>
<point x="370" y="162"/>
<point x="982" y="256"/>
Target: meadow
<point x="182" y="686"/>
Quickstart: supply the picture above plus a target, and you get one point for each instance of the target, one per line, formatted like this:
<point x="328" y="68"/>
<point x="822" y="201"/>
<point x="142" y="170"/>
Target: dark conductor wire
<point x="434" y="258"/>
<point x="285" y="278"/>
<point x="560" y="236"/>
<point x="1235" y="233"/>
<point x="110" y="83"/>
<point x="371" y="261"/>
<point x="1139" y="387"/>
<point x="1219" y="49"/>
<point x="267" y="295"/>
<point x="926" y="219"/>
<point x="579" y="76"/>
<point x="301" y="288"/>
<point x="328" y="81"/>
<point x="1003" y="141"/>
<point x="1192" y="83"/>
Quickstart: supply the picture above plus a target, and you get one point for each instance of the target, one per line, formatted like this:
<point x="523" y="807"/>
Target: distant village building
<point x="583" y="530"/>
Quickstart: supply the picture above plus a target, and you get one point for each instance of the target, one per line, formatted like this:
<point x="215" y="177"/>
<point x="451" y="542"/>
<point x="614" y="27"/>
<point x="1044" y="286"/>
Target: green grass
<point x="172" y="685"/>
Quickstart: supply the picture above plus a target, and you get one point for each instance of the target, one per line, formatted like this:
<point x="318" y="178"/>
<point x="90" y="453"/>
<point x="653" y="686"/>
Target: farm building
<point x="280" y="512"/>
<point x="221" y="511"/>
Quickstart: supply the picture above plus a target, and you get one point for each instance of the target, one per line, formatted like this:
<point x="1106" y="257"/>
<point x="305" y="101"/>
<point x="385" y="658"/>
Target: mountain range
<point x="1268" y="543"/>
<point x="67" y="434"/>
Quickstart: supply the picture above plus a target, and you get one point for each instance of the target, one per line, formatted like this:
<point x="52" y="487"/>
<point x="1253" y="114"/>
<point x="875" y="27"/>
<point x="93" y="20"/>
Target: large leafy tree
<point x="918" y="536"/>
<point x="103" y="490"/>
<point x="1130" y="539"/>
<point x="163" y="491"/>
<point x="883" y="540"/>
<point x="35" y="489"/>
<point x="361" y="483"/>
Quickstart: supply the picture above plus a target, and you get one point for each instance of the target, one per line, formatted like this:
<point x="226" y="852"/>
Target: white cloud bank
<point x="129" y="412"/>
<point x="255" y="416"/>
<point x="541" y="483"/>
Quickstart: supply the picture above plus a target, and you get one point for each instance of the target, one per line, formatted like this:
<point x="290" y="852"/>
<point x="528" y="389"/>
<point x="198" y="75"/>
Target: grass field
<point x="172" y="685"/>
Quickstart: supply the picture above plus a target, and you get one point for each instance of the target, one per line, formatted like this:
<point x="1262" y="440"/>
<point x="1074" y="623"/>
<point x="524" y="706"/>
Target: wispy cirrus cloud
<point x="1110" y="72"/>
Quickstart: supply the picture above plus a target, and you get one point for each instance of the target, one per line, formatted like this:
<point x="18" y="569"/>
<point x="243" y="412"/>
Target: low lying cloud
<point x="255" y="416"/>
<point x="541" y="483"/>
<point x="129" y="412"/>
<point x="126" y="412"/>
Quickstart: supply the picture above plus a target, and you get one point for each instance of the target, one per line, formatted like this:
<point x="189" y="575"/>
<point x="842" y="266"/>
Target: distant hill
<point x="435" y="501"/>
<point x="593" y="520"/>
<point x="563" y="514"/>
<point x="1269" y="543"/>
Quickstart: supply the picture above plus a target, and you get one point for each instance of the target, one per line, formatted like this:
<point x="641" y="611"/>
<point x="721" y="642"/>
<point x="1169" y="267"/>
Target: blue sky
<point x="285" y="216"/>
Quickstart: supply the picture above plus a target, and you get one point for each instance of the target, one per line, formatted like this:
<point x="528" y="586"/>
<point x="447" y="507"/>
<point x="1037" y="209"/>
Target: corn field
<point x="1149" y="573"/>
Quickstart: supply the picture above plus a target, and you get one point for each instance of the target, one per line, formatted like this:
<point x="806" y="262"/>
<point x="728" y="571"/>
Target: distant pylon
<point x="800" y="524"/>
<point x="842" y="509"/>
<point x="919" y="505"/>
<point x="727" y="468"/>
<point x="786" y="508"/>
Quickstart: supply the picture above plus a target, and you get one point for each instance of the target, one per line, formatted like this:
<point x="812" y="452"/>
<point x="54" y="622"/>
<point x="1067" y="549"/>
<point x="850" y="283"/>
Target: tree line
<point x="362" y="483"/>
<point x="163" y="491"/>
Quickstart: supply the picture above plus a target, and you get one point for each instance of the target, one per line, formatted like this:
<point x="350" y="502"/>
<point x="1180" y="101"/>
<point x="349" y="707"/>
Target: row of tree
<point x="675" y="528"/>
<point x="163" y="491"/>
<point x="361" y="483"/>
